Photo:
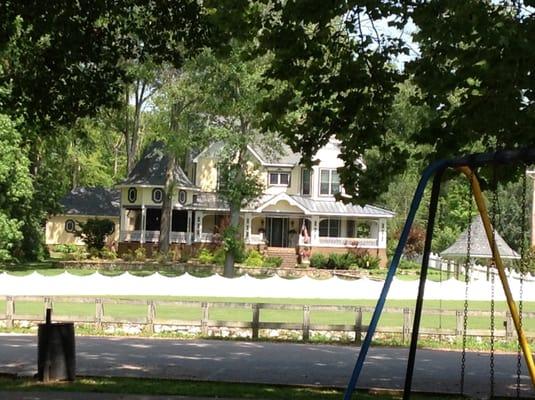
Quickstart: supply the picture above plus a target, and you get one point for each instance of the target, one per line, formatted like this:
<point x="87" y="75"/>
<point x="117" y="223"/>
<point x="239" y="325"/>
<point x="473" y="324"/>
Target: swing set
<point x="468" y="166"/>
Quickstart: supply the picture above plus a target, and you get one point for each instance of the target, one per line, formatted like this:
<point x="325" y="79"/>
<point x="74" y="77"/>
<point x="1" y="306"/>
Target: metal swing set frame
<point x="466" y="165"/>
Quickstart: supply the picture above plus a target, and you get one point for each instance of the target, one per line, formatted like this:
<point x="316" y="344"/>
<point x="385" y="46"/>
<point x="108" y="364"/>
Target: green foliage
<point x="272" y="262"/>
<point x="254" y="259"/>
<point x="232" y="243"/>
<point x="66" y="248"/>
<point x="108" y="254"/>
<point x="16" y="189"/>
<point x="94" y="232"/>
<point x="205" y="256"/>
<point x="340" y="261"/>
<point x="405" y="264"/>
<point x="367" y="261"/>
<point x="318" y="260"/>
<point x="219" y="256"/>
<point x="140" y="254"/>
<point x="128" y="256"/>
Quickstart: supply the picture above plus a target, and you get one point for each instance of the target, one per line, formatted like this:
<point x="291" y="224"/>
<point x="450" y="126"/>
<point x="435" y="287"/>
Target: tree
<point x="178" y="121"/>
<point x="94" y="232"/>
<point x="230" y="87"/>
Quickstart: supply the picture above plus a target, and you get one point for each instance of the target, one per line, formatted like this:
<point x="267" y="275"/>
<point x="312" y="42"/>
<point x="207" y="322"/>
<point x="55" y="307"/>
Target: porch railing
<point x="206" y="237"/>
<point x="347" y="242"/>
<point x="129" y="236"/>
<point x="181" y="237"/>
<point x="257" y="238"/>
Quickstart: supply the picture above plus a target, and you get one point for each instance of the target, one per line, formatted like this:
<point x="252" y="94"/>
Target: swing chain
<point x="492" y="283"/>
<point x="466" y="282"/>
<point x="522" y="266"/>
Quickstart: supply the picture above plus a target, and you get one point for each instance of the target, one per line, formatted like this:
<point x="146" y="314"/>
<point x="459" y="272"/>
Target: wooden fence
<point x="148" y="321"/>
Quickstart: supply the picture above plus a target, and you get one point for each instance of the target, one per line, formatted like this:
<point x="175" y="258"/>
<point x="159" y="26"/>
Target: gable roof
<point x="93" y="201"/>
<point x="151" y="169"/>
<point x="283" y="158"/>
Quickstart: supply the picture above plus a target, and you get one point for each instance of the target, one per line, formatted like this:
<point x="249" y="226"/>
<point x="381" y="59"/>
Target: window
<point x="182" y="196"/>
<point x="157" y="195"/>
<point x="329" y="182"/>
<point x="305" y="182"/>
<point x="70" y="226"/>
<point x="279" y="178"/>
<point x="132" y="195"/>
<point x="330" y="228"/>
<point x="363" y="230"/>
<point x="350" y="228"/>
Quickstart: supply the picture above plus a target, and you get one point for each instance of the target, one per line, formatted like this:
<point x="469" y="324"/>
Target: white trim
<point x="134" y="185"/>
<point x="281" y="196"/>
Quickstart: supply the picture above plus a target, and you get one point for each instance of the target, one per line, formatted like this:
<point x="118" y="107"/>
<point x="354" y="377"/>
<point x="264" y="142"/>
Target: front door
<point x="277" y="232"/>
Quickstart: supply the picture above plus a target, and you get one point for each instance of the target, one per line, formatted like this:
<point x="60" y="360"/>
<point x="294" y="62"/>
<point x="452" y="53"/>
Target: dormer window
<point x="305" y="182"/>
<point x="329" y="182"/>
<point x="279" y="179"/>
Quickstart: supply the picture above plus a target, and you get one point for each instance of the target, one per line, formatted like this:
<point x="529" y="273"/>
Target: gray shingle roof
<point x="151" y="169"/>
<point x="332" y="207"/>
<point x="479" y="244"/>
<point x="94" y="201"/>
<point x="283" y="156"/>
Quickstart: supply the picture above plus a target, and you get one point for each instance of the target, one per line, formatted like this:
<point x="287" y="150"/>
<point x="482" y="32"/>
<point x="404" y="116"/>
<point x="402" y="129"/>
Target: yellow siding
<point x="295" y="181"/>
<point x="55" y="230"/>
<point x="207" y="174"/>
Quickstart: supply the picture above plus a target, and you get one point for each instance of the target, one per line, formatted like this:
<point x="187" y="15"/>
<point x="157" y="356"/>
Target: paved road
<point x="278" y="363"/>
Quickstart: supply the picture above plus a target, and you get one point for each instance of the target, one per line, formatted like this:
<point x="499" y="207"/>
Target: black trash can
<point x="56" y="357"/>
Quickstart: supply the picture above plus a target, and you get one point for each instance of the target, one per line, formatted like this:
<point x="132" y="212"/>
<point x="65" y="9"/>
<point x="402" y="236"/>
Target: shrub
<point x="272" y="262"/>
<point x="254" y="259"/>
<point x="318" y="260"/>
<point x="205" y="256"/>
<point x="67" y="248"/>
<point x="340" y="261"/>
<point x="108" y="254"/>
<point x="140" y="254"/>
<point x="368" y="261"/>
<point x="94" y="231"/>
<point x="408" y="264"/>
<point x="219" y="256"/>
<point x="128" y="255"/>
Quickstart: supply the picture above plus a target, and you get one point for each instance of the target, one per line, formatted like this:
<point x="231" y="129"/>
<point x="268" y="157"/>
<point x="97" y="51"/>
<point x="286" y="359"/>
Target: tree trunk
<point x="167" y="209"/>
<point x="228" y="271"/>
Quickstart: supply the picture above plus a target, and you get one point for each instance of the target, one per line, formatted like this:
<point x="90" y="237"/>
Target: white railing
<point x="206" y="237"/>
<point x="130" y="236"/>
<point x="152" y="236"/>
<point x="347" y="242"/>
<point x="181" y="237"/>
<point x="256" y="239"/>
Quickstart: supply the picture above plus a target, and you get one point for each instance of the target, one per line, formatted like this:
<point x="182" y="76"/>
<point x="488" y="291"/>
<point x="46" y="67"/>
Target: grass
<point x="194" y="388"/>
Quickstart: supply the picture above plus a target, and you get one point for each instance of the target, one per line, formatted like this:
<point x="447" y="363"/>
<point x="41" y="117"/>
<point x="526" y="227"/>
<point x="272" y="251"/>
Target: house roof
<point x="211" y="201"/>
<point x="479" y="244"/>
<point x="283" y="157"/>
<point x="93" y="201"/>
<point x="151" y="169"/>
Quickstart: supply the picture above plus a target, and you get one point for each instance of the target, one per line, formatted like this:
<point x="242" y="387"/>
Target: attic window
<point x="279" y="179"/>
<point x="157" y="195"/>
<point x="132" y="195"/>
<point x="70" y="226"/>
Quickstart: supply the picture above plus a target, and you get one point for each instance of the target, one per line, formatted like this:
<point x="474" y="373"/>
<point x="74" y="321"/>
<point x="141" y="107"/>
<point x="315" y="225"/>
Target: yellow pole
<point x="478" y="196"/>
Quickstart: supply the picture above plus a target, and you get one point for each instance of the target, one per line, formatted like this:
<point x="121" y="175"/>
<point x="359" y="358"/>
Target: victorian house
<point x="296" y="213"/>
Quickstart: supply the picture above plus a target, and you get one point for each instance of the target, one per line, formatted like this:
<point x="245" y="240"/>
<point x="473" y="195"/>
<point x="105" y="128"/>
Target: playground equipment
<point x="468" y="166"/>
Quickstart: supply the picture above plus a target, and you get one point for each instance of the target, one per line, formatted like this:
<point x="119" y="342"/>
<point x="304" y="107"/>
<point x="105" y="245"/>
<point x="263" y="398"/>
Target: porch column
<point x="122" y="224"/>
<point x="170" y="226"/>
<point x="381" y="237"/>
<point x="315" y="230"/>
<point x="188" y="227"/>
<point x="143" y="223"/>
<point x="198" y="225"/>
<point x="247" y="219"/>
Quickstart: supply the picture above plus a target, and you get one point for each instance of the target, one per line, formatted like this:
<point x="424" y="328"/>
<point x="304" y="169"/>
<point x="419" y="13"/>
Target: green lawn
<point x="194" y="388"/>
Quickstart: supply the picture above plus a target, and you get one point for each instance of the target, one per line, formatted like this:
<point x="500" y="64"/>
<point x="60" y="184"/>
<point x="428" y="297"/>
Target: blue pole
<point x="426" y="175"/>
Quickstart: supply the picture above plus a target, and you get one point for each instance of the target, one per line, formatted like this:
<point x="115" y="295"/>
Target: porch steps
<point x="289" y="258"/>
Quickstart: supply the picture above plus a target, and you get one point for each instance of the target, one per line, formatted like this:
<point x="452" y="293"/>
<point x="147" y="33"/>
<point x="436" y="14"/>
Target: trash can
<point x="56" y="357"/>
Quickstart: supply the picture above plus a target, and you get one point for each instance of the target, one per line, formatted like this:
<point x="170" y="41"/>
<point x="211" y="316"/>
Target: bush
<point x="94" y="231"/>
<point x="140" y="254"/>
<point x="272" y="262"/>
<point x="205" y="256"/>
<point x="108" y="254"/>
<point x="128" y="255"/>
<point x="318" y="260"/>
<point x="408" y="264"/>
<point x="254" y="259"/>
<point x="368" y="261"/>
<point x="340" y="261"/>
<point x="67" y="248"/>
<point x="219" y="256"/>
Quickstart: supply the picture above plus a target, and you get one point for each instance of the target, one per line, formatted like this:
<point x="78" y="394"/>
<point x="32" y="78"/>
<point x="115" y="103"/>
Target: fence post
<point x="459" y="323"/>
<point x="10" y="311"/>
<point x="204" y="319"/>
<point x="151" y="313"/>
<point x="406" y="324"/>
<point x="256" y="321"/>
<point x="48" y="303"/>
<point x="99" y="313"/>
<point x="306" y="323"/>
<point x="358" y="325"/>
<point x="509" y="327"/>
